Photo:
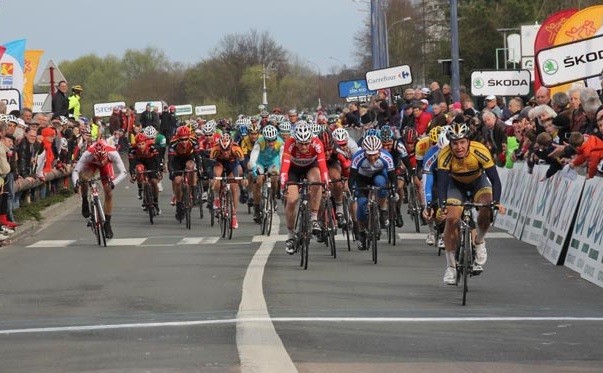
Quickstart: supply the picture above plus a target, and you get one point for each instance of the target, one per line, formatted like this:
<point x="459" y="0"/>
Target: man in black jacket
<point x="60" y="102"/>
<point x="149" y="118"/>
<point x="169" y="122"/>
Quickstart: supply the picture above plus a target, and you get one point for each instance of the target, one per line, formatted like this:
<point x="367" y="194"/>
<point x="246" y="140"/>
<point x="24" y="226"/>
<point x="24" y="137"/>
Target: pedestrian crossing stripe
<point x="401" y="236"/>
<point x="143" y="241"/>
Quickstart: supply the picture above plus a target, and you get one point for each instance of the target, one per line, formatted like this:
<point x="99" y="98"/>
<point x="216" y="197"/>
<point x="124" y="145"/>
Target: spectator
<point x="599" y="120"/>
<point x="74" y="102"/>
<point x="26" y="114"/>
<point x="408" y="119"/>
<point x="589" y="150"/>
<point x="506" y="114"/>
<point x="577" y="114"/>
<point x="469" y="110"/>
<point x="495" y="136"/>
<point x="2" y="107"/>
<point x="591" y="104"/>
<point x="169" y="122"/>
<point x="149" y="118"/>
<point x="436" y="93"/>
<point x="60" y="102"/>
<point x="115" y="119"/>
<point x="492" y="106"/>
<point x="422" y="118"/>
<point x="560" y="103"/>
<point x="438" y="119"/>
<point x="542" y="148"/>
<point x="28" y="151"/>
<point x="447" y="92"/>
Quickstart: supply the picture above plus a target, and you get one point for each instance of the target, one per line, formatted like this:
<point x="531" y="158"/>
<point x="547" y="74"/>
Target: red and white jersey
<point x="208" y="142"/>
<point x="88" y="161"/>
<point x="292" y="156"/>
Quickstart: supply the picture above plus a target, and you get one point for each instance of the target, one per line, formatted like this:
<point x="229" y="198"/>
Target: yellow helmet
<point x="434" y="133"/>
<point x="77" y="88"/>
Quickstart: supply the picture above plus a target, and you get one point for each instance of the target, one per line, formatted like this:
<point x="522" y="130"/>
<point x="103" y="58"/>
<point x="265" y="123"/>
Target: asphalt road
<point x="164" y="298"/>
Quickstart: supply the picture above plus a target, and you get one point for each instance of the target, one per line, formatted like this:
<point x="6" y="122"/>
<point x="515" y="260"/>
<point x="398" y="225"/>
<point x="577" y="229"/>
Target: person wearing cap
<point x="490" y="105"/>
<point x="74" y="102"/>
<point x="149" y="117"/>
<point x="60" y="101"/>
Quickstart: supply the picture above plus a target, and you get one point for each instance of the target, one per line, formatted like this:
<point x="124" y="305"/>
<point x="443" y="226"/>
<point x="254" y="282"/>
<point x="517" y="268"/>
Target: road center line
<point x="260" y="348"/>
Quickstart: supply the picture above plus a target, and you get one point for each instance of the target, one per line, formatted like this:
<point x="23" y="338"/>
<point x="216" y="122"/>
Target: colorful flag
<point x="32" y="60"/>
<point x="11" y="65"/>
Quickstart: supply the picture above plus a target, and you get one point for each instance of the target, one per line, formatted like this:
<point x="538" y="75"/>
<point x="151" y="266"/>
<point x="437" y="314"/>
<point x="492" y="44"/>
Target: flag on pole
<point x="32" y="60"/>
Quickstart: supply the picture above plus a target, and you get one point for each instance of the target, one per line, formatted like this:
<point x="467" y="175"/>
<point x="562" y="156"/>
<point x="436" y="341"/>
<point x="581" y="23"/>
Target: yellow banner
<point x="32" y="60"/>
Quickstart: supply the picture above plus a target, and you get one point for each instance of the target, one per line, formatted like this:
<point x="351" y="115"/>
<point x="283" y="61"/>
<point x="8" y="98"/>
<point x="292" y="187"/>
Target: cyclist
<point x="464" y="167"/>
<point x="430" y="167"/>
<point x="338" y="162"/>
<point x="284" y="130"/>
<point x="401" y="158"/>
<point x="303" y="158"/>
<point x="265" y="159"/>
<point x="105" y="159"/>
<point x="247" y="144"/>
<point x="160" y="142"/>
<point x="228" y="157"/>
<point x="145" y="157"/>
<point x="183" y="154"/>
<point x="409" y="139"/>
<point x="423" y="145"/>
<point x="372" y="165"/>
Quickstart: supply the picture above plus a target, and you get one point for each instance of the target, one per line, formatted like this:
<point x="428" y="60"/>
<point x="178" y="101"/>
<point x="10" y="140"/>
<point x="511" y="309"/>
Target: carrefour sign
<point x="570" y="62"/>
<point x="500" y="82"/>
<point x="354" y="88"/>
<point x="390" y="77"/>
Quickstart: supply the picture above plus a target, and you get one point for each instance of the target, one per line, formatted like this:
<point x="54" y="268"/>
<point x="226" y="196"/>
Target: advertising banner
<point x="538" y="210"/>
<point x="106" y="109"/>
<point x="500" y="82"/>
<point x="387" y="78"/>
<point x="142" y="105"/>
<point x="12" y="99"/>
<point x="528" y="194"/>
<point x="585" y="251"/>
<point x="547" y="33"/>
<point x="354" y="88"/>
<point x="512" y="193"/>
<point x="205" y="110"/>
<point x="503" y="174"/>
<point x="11" y="65"/>
<point x="184" y="110"/>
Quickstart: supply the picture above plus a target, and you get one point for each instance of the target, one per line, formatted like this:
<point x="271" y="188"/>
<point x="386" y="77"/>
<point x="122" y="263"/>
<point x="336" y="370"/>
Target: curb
<point x="31" y="227"/>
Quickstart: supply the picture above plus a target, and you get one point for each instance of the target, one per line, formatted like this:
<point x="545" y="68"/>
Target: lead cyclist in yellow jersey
<point x="466" y="168"/>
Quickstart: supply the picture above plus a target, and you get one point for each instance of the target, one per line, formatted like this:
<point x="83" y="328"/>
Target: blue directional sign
<point x="353" y="88"/>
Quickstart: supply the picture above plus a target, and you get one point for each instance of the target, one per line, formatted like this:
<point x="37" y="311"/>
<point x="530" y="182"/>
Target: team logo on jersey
<point x="481" y="155"/>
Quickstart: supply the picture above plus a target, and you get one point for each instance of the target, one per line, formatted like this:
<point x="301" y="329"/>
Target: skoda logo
<point x="478" y="83"/>
<point x="550" y="67"/>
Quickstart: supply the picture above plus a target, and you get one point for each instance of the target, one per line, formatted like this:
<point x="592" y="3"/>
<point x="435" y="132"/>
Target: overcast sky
<point x="186" y="30"/>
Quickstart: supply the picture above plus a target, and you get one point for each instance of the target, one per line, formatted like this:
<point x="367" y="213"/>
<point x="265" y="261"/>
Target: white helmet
<point x="63" y="120"/>
<point x="284" y="127"/>
<point x="371" y="144"/>
<point x="64" y="143"/>
<point x="270" y="133"/>
<point x="341" y="136"/>
<point x="209" y="128"/>
<point x="443" y="140"/>
<point x="303" y="133"/>
<point x="150" y="132"/>
<point x="315" y="128"/>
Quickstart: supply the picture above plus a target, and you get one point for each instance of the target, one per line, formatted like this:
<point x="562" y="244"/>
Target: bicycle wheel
<point x="391" y="227"/>
<point x="437" y="238"/>
<point x="223" y="214"/>
<point x="306" y="240"/>
<point x="330" y="227"/>
<point x="199" y="197"/>
<point x="413" y="204"/>
<point x="231" y="212"/>
<point x="210" y="207"/>
<point x="148" y="200"/>
<point x="269" y="211"/>
<point x="263" y="213"/>
<point x="467" y="248"/>
<point x="95" y="222"/>
<point x="102" y="236"/>
<point x="376" y="229"/>
<point x="348" y="221"/>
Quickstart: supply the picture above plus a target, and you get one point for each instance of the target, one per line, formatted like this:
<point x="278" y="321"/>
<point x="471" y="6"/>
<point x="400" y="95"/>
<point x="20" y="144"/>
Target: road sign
<point x="205" y="110"/>
<point x="500" y="82"/>
<point x="570" y="62"/>
<point x="12" y="99"/>
<point x="106" y="109"/>
<point x="39" y="100"/>
<point x="45" y="78"/>
<point x="353" y="88"/>
<point x="184" y="110"/>
<point x="527" y="63"/>
<point x="390" y="77"/>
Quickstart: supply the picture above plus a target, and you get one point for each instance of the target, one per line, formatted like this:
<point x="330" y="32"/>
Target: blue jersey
<point x="430" y="166"/>
<point x="385" y="163"/>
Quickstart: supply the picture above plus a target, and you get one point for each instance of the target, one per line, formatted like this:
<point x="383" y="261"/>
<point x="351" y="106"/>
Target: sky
<point x="187" y="31"/>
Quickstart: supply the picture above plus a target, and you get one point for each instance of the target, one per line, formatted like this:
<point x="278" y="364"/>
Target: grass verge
<point x="34" y="209"/>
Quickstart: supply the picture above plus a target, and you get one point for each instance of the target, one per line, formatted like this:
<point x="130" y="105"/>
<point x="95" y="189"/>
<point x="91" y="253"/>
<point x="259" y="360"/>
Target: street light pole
<point x="264" y="92"/>
<point x="388" y="28"/>
<point x="455" y="68"/>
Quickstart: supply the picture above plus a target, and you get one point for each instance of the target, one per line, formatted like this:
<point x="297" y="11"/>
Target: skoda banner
<point x="500" y="82"/>
<point x="390" y="77"/>
<point x="571" y="62"/>
<point x="12" y="99"/>
<point x="354" y="88"/>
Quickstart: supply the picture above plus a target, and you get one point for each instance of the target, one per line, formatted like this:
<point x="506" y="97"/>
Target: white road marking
<point x="260" y="348"/>
<point x="197" y="240"/>
<point x="52" y="243"/>
<point x="125" y="241"/>
<point x="402" y="236"/>
<point x="254" y="322"/>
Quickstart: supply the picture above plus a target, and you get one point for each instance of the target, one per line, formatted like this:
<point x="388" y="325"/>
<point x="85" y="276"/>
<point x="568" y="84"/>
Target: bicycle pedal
<point x="476" y="270"/>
